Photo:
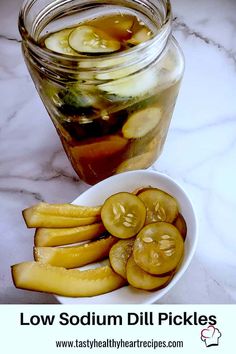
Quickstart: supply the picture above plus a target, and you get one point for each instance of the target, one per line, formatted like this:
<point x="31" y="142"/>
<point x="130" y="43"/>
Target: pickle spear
<point x="57" y="280"/>
<point x="42" y="220"/>
<point x="69" y="210"/>
<point x="64" y="236"/>
<point x="73" y="257"/>
<point x="60" y="215"/>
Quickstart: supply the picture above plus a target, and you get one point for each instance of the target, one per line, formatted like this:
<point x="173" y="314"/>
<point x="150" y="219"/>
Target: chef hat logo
<point x="210" y="336"/>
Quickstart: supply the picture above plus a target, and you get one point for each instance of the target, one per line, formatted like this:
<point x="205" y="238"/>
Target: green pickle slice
<point x="58" y="42"/>
<point x="160" y="206"/>
<point x="123" y="215"/>
<point x="158" y="248"/>
<point x="140" y="279"/>
<point x="142" y="122"/>
<point x="119" y="255"/>
<point x="88" y="39"/>
<point x="131" y="86"/>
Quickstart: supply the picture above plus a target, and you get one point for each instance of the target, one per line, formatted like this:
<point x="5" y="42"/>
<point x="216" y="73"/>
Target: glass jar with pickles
<point x="108" y="74"/>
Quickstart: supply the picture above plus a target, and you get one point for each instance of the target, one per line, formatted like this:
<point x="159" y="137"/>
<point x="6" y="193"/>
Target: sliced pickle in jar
<point x="137" y="162"/>
<point x="123" y="215"/>
<point x="181" y="225"/>
<point x="119" y="26"/>
<point x="143" y="35"/>
<point x="158" y="248"/>
<point x="131" y="86"/>
<point x="119" y="255"/>
<point x="142" y="122"/>
<point x="100" y="148"/>
<point x="118" y="73"/>
<point x="140" y="279"/>
<point x="160" y="206"/>
<point x="88" y="39"/>
<point x="58" y="42"/>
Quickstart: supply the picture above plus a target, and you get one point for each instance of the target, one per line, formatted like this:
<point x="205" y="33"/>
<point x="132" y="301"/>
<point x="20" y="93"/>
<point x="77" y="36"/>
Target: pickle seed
<point x="161" y="214"/>
<point x="127" y="224"/>
<point x="165" y="244"/>
<point x="115" y="212"/>
<point x="122" y="208"/>
<point x="169" y="252"/>
<point x="147" y="239"/>
<point x="128" y="219"/>
<point x="157" y="206"/>
<point x="165" y="237"/>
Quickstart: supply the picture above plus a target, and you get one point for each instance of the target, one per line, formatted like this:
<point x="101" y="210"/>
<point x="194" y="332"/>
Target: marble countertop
<point x="200" y="152"/>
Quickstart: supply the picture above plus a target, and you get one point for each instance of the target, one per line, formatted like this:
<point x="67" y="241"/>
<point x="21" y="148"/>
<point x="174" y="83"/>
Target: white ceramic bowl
<point x="128" y="182"/>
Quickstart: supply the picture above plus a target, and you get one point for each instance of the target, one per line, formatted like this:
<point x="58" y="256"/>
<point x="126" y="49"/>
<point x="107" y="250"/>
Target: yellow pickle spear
<point x="60" y="215"/>
<point x="77" y="256"/>
<point x="57" y="280"/>
<point x="48" y="237"/>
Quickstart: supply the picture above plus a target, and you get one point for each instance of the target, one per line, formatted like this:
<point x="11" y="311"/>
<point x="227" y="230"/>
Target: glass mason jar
<point x="112" y="112"/>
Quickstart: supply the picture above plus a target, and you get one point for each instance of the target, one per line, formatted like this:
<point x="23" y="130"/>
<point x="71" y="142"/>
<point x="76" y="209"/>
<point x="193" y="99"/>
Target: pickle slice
<point x="141" y="36"/>
<point x="73" y="257"/>
<point x="118" y="25"/>
<point x="88" y="39"/>
<point x="131" y="86"/>
<point x="137" y="162"/>
<point x="119" y="255"/>
<point x="158" y="248"/>
<point x="123" y="215"/>
<point x="160" y="206"/>
<point x="180" y="223"/>
<point x="100" y="148"/>
<point x="74" y="283"/>
<point x="142" y="122"/>
<point x="64" y="236"/>
<point x="58" y="42"/>
<point x="140" y="279"/>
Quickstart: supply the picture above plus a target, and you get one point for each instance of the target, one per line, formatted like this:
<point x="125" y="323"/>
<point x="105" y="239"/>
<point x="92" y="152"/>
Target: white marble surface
<point x="200" y="152"/>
